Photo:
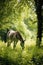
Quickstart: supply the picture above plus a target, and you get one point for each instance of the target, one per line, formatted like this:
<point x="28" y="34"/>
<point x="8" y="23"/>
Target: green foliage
<point x="19" y="15"/>
<point x="17" y="56"/>
<point x="38" y="56"/>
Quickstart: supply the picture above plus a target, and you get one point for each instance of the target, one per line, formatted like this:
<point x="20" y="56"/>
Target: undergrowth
<point x="29" y="56"/>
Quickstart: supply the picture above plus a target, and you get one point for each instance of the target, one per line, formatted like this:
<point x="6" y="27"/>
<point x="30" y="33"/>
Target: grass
<point x="31" y="55"/>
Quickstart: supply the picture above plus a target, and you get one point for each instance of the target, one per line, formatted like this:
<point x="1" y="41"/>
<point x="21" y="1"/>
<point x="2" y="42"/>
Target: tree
<point x="15" y="12"/>
<point x="39" y="4"/>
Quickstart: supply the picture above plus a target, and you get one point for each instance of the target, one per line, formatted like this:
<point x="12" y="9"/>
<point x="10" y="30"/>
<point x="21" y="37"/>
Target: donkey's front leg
<point x="22" y="45"/>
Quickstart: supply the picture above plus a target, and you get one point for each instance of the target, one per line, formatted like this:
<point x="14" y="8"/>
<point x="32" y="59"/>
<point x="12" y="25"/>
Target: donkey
<point x="15" y="36"/>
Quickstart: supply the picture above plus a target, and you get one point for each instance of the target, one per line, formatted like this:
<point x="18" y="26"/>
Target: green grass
<point x="31" y="55"/>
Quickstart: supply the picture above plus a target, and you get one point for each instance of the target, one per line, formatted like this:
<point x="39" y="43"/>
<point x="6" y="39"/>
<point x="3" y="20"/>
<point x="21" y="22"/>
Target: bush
<point x="38" y="56"/>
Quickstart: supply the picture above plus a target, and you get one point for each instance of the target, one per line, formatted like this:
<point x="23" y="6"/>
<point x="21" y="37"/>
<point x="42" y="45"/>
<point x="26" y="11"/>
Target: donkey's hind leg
<point x="15" y="43"/>
<point x="9" y="43"/>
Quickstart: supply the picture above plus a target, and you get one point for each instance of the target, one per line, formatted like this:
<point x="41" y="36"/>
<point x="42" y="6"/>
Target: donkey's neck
<point x="20" y="37"/>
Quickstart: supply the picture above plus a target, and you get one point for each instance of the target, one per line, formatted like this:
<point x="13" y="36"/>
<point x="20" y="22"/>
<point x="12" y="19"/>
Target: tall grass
<point x="31" y="55"/>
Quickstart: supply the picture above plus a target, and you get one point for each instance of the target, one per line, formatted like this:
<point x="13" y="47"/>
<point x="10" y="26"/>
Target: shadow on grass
<point x="5" y="61"/>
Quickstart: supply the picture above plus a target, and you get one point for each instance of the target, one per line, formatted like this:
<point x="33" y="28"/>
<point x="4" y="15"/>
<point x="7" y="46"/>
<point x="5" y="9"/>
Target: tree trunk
<point x="38" y="4"/>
